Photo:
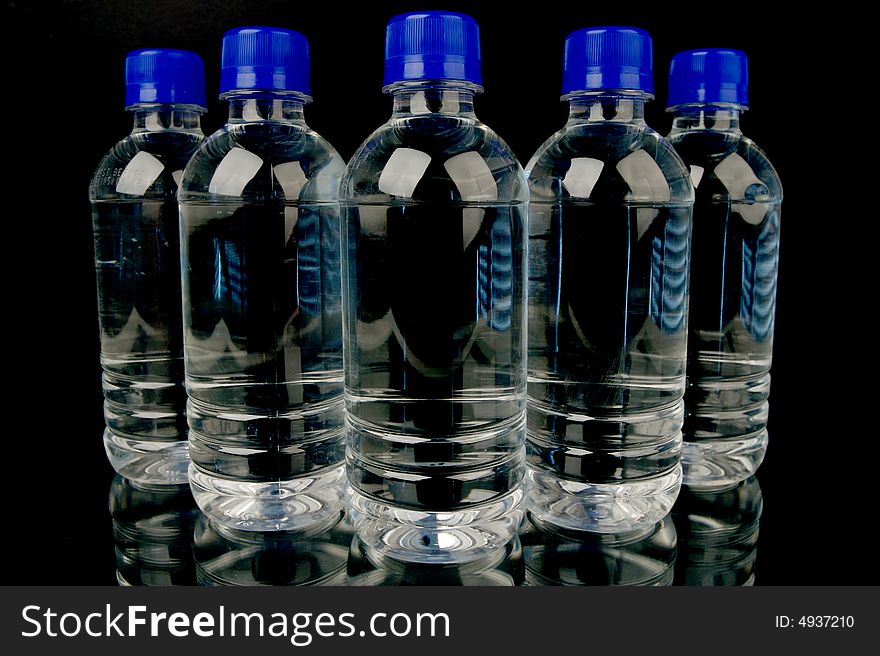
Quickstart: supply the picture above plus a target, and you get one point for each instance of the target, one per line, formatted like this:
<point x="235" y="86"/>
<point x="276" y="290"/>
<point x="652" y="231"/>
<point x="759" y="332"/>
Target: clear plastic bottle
<point x="735" y="261"/>
<point x="137" y="261"/>
<point x="609" y="241"/>
<point x="262" y="298"/>
<point x="434" y="212"/>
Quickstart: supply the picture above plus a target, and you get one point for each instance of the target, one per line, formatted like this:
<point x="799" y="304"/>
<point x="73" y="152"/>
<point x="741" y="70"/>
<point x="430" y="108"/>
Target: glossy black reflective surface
<point x="153" y="533"/>
<point x="160" y="538"/>
<point x="753" y="533"/>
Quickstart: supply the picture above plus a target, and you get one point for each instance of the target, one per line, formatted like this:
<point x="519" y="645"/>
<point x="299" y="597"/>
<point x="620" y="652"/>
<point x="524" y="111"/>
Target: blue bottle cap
<point x="269" y="58"/>
<point x="611" y="57"/>
<point x="161" y="75"/>
<point x="709" y="75"/>
<point x="432" y="45"/>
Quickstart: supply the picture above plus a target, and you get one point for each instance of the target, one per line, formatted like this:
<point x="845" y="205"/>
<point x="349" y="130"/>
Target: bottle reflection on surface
<point x="500" y="567"/>
<point x="152" y="533"/>
<point x="315" y="556"/>
<point x="644" y="557"/>
<point x="719" y="534"/>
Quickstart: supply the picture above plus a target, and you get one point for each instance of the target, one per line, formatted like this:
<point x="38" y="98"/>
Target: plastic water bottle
<point x="735" y="258"/>
<point x="434" y="212"/>
<point x="609" y="240"/>
<point x="262" y="298"/>
<point x="137" y="261"/>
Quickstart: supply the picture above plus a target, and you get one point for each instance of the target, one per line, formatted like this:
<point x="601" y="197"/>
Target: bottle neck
<point x="165" y="118"/>
<point x="258" y="106"/>
<point x="718" y="118"/>
<point x="448" y="97"/>
<point x="607" y="106"/>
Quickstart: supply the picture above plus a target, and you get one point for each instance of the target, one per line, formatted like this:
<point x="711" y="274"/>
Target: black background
<point x="63" y="109"/>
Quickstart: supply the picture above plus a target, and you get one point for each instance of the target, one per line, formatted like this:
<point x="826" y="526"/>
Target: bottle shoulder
<point x="728" y="165"/>
<point x="144" y="165"/>
<point x="434" y="159"/>
<point x="267" y="161"/>
<point x="608" y="162"/>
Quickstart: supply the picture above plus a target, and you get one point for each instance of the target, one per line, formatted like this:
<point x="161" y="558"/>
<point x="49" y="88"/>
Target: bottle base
<point x="502" y="567"/>
<point x="626" y="507"/>
<point x="716" y="464"/>
<point x="147" y="462"/>
<point x="291" y="505"/>
<point x="425" y="536"/>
